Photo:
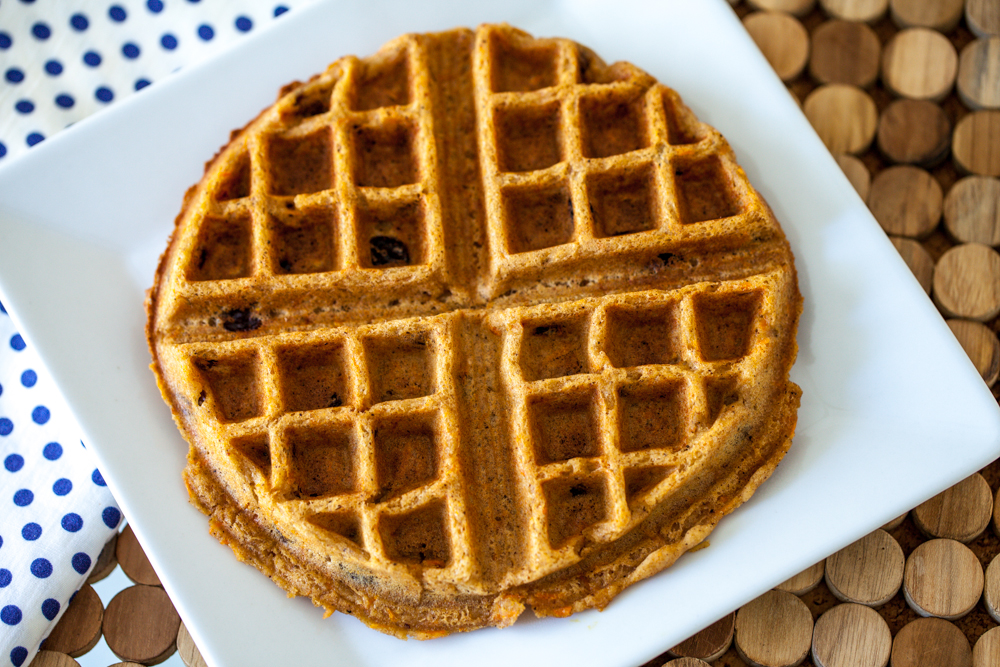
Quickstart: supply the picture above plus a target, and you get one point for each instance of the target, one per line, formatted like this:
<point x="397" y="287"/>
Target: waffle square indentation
<point x="406" y="454"/>
<point x="321" y="460"/>
<point x="235" y="182"/>
<point x="611" y="126"/>
<point x="391" y="236"/>
<point x="301" y="165"/>
<point x="256" y="449"/>
<point x="223" y="249"/>
<point x="419" y="536"/>
<point x="574" y="504"/>
<point x="344" y="524"/>
<point x="528" y="137"/>
<point x="399" y="367"/>
<point x="538" y="217"/>
<point x="639" y="481"/>
<point x="720" y="393"/>
<point x="725" y="324"/>
<point x="310" y="100"/>
<point x="553" y="349"/>
<point x="564" y="426"/>
<point x="623" y="202"/>
<point x="652" y="416"/>
<point x="704" y="191"/>
<point x="233" y="385"/>
<point x="642" y="335"/>
<point x="384" y="84"/>
<point x="304" y="241"/>
<point x="314" y="376"/>
<point x="519" y="69"/>
<point x="385" y="155"/>
<point x="682" y="127"/>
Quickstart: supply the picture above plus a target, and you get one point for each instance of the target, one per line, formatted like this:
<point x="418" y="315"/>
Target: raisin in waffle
<point x="474" y="324"/>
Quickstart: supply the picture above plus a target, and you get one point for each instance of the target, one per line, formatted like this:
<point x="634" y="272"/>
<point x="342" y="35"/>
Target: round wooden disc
<point x="79" y="628"/>
<point x="782" y="40"/>
<point x="920" y="64"/>
<point x="857" y="173"/>
<point x="996" y="513"/>
<point x="794" y="7"/>
<point x="106" y="561"/>
<point x="983" y="17"/>
<point x="775" y="630"/>
<point x="941" y="15"/>
<point x="141" y="625"/>
<point x="855" y="10"/>
<point x="845" y="52"/>
<point x="914" y="131"/>
<point x="986" y="652"/>
<point x="53" y="659"/>
<point x="991" y="590"/>
<point x="967" y="282"/>
<point x="975" y="143"/>
<point x="844" y="117"/>
<point x="868" y="572"/>
<point x="920" y="262"/>
<point x="127" y="664"/>
<point x="686" y="662"/>
<point x="895" y="523"/>
<point x="906" y="201"/>
<point x="804" y="581"/>
<point x="851" y="635"/>
<point x="133" y="559"/>
<point x="187" y="649"/>
<point x="928" y="642"/>
<point x="978" y="80"/>
<point x="710" y="643"/>
<point x="961" y="512"/>
<point x="982" y="346"/>
<point x="943" y="578"/>
<point x="972" y="210"/>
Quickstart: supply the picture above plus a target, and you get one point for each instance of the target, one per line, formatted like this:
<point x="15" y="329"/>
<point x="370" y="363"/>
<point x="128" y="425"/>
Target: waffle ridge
<point x="474" y="324"/>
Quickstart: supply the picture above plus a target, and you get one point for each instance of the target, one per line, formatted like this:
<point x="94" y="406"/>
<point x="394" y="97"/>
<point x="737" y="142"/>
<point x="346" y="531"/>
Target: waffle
<point x="475" y="324"/>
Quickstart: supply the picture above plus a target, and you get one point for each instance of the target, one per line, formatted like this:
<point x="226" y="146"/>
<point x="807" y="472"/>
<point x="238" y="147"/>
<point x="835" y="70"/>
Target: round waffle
<point x="474" y="324"/>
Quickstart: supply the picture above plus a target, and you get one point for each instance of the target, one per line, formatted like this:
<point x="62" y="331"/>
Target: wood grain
<point x="845" y="117"/>
<point x="917" y="259"/>
<point x="133" y="559"/>
<point x="991" y="590"/>
<point x="79" y="629"/>
<point x="794" y="7"/>
<point x="187" y="649"/>
<point x="930" y="642"/>
<point x="972" y="210"/>
<point x="943" y="578"/>
<point x="978" y="80"/>
<point x="961" y="512"/>
<point x="920" y="64"/>
<point x="867" y="11"/>
<point x="106" y="561"/>
<point x="986" y="652"/>
<point x="782" y="40"/>
<point x="941" y="15"/>
<point x="982" y="346"/>
<point x="710" y="643"/>
<point x="851" y="635"/>
<point x="867" y="572"/>
<point x="857" y="173"/>
<point x="975" y="143"/>
<point x="53" y="659"/>
<point x="845" y="52"/>
<point x="967" y="282"/>
<point x="141" y="625"/>
<point x="906" y="201"/>
<point x="756" y="640"/>
<point x="914" y="132"/>
<point x="804" y="581"/>
<point x="983" y="17"/>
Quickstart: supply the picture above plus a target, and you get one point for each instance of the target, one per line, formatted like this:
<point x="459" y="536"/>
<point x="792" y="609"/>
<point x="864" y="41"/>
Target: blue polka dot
<point x="79" y="22"/>
<point x="54" y="67"/>
<point x="62" y="486"/>
<point x="65" y="101"/>
<point x="34" y="138"/>
<point x="18" y="655"/>
<point x="50" y="608"/>
<point x="279" y="10"/>
<point x="194" y="2"/>
<point x="1" y="390"/>
<point x="13" y="463"/>
<point x="117" y="13"/>
<point x="72" y="522"/>
<point x="130" y="50"/>
<point x="10" y="615"/>
<point x="97" y="478"/>
<point x="3" y="151"/>
<point x="52" y="451"/>
<point x="14" y="75"/>
<point x="17" y="342"/>
<point x="31" y="531"/>
<point x="168" y="41"/>
<point x="243" y="23"/>
<point x="29" y="378"/>
<point x="41" y="568"/>
<point x="6" y="426"/>
<point x="141" y="83"/>
<point x="111" y="517"/>
<point x="154" y="6"/>
<point x="25" y="106"/>
<point x="23" y="497"/>
<point x="41" y="30"/>
<point x="5" y="40"/>
<point x="5" y="577"/>
<point x="104" y="94"/>
<point x="92" y="58"/>
<point x="81" y="562"/>
<point x="206" y="32"/>
<point x="2" y="309"/>
<point x="40" y="414"/>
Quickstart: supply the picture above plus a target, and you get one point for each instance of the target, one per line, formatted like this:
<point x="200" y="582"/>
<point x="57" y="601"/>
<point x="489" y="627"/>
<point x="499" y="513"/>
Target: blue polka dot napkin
<point x="56" y="512"/>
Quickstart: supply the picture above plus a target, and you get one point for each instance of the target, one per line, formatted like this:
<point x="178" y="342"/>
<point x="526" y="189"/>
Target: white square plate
<point x="892" y="410"/>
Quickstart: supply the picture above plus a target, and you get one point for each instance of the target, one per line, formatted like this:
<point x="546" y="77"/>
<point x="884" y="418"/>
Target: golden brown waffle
<point x="476" y="323"/>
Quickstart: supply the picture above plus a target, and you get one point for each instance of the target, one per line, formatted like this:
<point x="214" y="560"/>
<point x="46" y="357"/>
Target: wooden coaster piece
<point x="53" y="659"/>
<point x="141" y="625"/>
<point x="710" y="643"/>
<point x="868" y="572"/>
<point x="844" y="117"/>
<point x="930" y="641"/>
<point x="851" y="635"/>
<point x="986" y="652"/>
<point x="983" y="17"/>
<point x="106" y="561"/>
<point x="686" y="662"/>
<point x="845" y="52"/>
<point x="978" y="80"/>
<point x="972" y="210"/>
<point x="991" y="590"/>
<point x="943" y="578"/>
<point x="866" y="11"/>
<point x="920" y="64"/>
<point x="942" y="15"/>
<point x="914" y="132"/>
<point x="775" y="630"/>
<point x="975" y="143"/>
<point x="187" y="649"/>
<point x="960" y="513"/>
<point x="967" y="282"/>
<point x="982" y="346"/>
<point x="920" y="263"/>
<point x="782" y="40"/>
<point x="804" y="581"/>
<point x="794" y="7"/>
<point x="906" y="201"/>
<point x="133" y="559"/>
<point x="79" y="629"/>
<point x="897" y="522"/>
<point x="857" y="173"/>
